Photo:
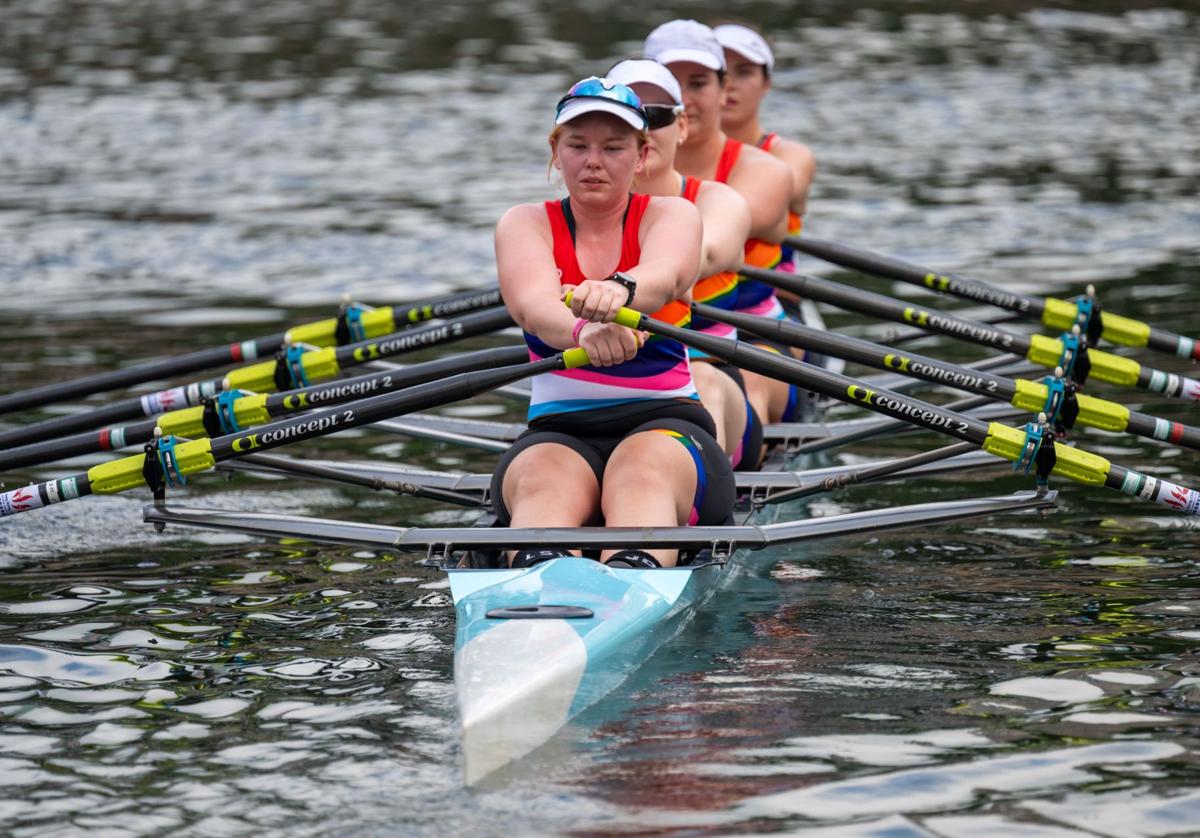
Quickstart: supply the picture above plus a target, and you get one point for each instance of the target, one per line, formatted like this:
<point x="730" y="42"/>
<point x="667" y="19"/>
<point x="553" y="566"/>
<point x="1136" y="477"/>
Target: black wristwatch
<point x="626" y="280"/>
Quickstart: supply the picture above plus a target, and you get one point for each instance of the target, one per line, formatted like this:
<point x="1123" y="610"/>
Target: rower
<point x="726" y="219"/>
<point x="690" y="50"/>
<point x="750" y="62"/>
<point x="623" y="441"/>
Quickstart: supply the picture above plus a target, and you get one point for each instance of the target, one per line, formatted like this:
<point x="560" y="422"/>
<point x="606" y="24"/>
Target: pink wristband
<point x="579" y="324"/>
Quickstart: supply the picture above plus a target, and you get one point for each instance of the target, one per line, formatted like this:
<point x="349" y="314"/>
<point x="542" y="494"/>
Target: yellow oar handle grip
<point x="126" y="473"/>
<point x="1073" y="464"/>
<point x="575" y="358"/>
<point x="625" y="316"/>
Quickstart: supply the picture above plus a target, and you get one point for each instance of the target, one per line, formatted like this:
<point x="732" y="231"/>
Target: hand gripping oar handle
<point x="202" y="454"/>
<point x="1053" y="312"/>
<point x="995" y="438"/>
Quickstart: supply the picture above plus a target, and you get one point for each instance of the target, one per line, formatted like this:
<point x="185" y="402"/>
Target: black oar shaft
<point x="374" y="409"/>
<point x="840" y="387"/>
<point x="1118" y="329"/>
<point x="321" y="333"/>
<point x="1104" y="366"/>
<point x="1001" y="440"/>
<point x="190" y="395"/>
<point x="878" y="428"/>
<point x="864" y="352"/>
<point x="190" y="423"/>
<point x="234" y="353"/>
<point x="202" y="454"/>
<point x="1033" y="397"/>
<point x="131" y="408"/>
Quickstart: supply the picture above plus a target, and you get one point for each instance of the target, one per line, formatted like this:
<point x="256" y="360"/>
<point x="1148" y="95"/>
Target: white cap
<point x="633" y="71"/>
<point x="685" y="40"/>
<point x="574" y="105"/>
<point x="745" y="42"/>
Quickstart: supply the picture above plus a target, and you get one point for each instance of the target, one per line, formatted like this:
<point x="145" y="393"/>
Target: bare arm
<point x="799" y="158"/>
<point x="671" y="236"/>
<point x="528" y="276"/>
<point x="726" y="217"/>
<point x="766" y="184"/>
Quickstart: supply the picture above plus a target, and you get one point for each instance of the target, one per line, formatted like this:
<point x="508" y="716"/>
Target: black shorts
<point x="595" y="434"/>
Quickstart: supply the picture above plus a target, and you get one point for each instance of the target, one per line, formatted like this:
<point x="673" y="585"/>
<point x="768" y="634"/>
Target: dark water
<point x="177" y="175"/>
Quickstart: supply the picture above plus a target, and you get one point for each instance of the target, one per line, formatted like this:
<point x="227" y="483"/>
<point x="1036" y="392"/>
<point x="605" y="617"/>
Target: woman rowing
<point x="726" y="221"/>
<point x="750" y="62"/>
<point x="623" y="441"/>
<point x="691" y="52"/>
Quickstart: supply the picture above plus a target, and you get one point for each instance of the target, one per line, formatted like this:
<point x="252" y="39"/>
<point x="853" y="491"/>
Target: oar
<point x="1041" y="350"/>
<point x="168" y="461"/>
<point x="367" y="323"/>
<point x="293" y="370"/>
<point x="1053" y="312"/>
<point x="1028" y="448"/>
<point x="1051" y="396"/>
<point x="230" y="411"/>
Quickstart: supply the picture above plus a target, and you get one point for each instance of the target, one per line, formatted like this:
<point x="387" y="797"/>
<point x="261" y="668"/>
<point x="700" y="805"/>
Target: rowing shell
<point x="536" y="647"/>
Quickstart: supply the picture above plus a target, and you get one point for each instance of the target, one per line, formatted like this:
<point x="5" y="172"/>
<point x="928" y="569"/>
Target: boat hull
<point x="536" y="647"/>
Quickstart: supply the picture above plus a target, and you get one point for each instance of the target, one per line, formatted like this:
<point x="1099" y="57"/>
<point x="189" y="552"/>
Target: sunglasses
<point x="597" y="88"/>
<point x="660" y="116"/>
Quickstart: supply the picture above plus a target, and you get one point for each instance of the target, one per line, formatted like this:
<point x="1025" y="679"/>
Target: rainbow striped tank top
<point x="753" y="297"/>
<point x="659" y="371"/>
<point x="718" y="290"/>
<point x="787" y="261"/>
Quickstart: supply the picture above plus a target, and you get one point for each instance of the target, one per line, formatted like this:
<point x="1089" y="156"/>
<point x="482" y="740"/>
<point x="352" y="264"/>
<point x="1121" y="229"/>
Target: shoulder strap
<point x="568" y="217"/>
<point x="729" y="157"/>
<point x="562" y="229"/>
<point x="767" y="140"/>
<point x="631" y="246"/>
<point x="691" y="188"/>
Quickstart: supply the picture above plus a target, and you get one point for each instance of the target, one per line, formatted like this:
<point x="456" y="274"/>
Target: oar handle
<point x="625" y="316"/>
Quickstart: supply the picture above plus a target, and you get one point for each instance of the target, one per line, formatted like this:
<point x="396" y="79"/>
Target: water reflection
<point x="1032" y="676"/>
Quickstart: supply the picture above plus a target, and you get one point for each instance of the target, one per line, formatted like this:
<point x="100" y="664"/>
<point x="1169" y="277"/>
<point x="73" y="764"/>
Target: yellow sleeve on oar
<point x="1114" y="369"/>
<point x="1062" y="314"/>
<point x="189" y="422"/>
<point x="1093" y="412"/>
<point x="126" y="473"/>
<point x="1080" y="466"/>
<point x="318" y="365"/>
<point x="379" y="321"/>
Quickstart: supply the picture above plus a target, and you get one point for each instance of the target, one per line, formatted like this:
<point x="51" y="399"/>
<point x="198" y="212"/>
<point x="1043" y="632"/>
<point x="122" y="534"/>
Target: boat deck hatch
<point x="541" y="612"/>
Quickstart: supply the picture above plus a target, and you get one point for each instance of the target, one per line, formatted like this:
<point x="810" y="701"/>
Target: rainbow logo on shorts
<point x="701" y="473"/>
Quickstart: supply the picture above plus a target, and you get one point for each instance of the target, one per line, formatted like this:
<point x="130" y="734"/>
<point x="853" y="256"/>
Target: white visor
<point x="685" y="40"/>
<point x="644" y="71"/>
<point x="585" y="104"/>
<point x="745" y="42"/>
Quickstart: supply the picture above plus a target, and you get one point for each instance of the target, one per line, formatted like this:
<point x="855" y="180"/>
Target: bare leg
<point x="650" y="481"/>
<point x="549" y="485"/>
<point x="768" y="396"/>
<point x="722" y="397"/>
